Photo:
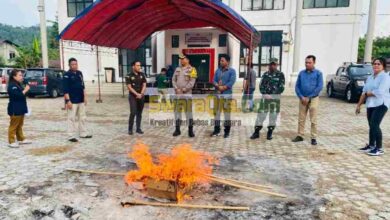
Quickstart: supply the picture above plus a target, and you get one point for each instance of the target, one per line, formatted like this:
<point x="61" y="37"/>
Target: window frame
<point x="175" y="39"/>
<point x="326" y="5"/>
<point x="262" y="5"/>
<point x="75" y="3"/>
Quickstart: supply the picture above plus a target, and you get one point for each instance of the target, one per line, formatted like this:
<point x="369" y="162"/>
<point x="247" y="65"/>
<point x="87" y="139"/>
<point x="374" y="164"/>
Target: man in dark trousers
<point x="136" y="83"/>
<point x="76" y="101"/>
<point x="271" y="88"/>
<point x="224" y="79"/>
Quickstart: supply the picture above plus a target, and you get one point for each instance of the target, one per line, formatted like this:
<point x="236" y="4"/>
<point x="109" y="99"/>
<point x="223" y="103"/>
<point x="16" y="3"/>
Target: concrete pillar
<point x="298" y="37"/>
<point x="370" y="31"/>
<point x="45" y="56"/>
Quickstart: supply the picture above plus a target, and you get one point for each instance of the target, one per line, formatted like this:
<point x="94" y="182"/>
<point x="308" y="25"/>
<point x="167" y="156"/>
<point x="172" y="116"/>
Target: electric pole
<point x="298" y="34"/>
<point x="41" y="9"/>
<point x="370" y="31"/>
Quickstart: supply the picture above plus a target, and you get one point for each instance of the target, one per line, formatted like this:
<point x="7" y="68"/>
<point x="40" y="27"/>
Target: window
<point x="256" y="5"/>
<point x="77" y="6"/>
<point x="325" y="3"/>
<point x="175" y="41"/>
<point x="12" y="55"/>
<point x="222" y="40"/>
<point x="143" y="53"/>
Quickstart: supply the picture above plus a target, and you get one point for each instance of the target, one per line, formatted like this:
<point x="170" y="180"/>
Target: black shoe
<point x="74" y="140"/>
<point x="139" y="131"/>
<point x="269" y="133"/>
<point x="367" y="148"/>
<point x="215" y="134"/>
<point x="255" y="135"/>
<point x="191" y="133"/>
<point x="314" y="142"/>
<point x="130" y="132"/>
<point x="226" y="135"/>
<point x="376" y="152"/>
<point x="88" y="136"/>
<point x="297" y="139"/>
<point x="176" y="133"/>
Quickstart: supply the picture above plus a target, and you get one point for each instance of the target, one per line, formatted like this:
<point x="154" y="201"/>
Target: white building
<point x="330" y="31"/>
<point x="8" y="51"/>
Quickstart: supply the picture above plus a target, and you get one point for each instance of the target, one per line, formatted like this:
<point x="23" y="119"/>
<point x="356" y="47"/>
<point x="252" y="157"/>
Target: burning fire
<point x="184" y="165"/>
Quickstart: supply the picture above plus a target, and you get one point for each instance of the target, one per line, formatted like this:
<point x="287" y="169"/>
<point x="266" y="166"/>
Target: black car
<point x="44" y="81"/>
<point x="349" y="80"/>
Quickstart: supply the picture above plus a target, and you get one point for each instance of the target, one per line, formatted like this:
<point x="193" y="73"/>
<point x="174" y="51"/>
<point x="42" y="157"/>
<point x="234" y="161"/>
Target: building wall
<point x="329" y="33"/>
<point x="85" y="53"/>
<point x="169" y="51"/>
<point x="332" y="34"/>
<point x="5" y="50"/>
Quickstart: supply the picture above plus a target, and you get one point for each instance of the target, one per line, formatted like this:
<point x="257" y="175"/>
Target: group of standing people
<point x="376" y="96"/>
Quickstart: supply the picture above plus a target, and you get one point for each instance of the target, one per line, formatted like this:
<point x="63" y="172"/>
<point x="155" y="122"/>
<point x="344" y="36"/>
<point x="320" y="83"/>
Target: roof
<point x="127" y="23"/>
<point x="8" y="42"/>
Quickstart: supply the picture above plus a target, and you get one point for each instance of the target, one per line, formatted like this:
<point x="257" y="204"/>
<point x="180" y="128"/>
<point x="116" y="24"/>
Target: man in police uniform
<point x="75" y="100"/>
<point x="271" y="87"/>
<point x="136" y="84"/>
<point x="183" y="81"/>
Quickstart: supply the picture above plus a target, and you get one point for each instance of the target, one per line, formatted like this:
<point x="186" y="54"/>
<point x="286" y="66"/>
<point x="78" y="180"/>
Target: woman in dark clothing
<point x="17" y="108"/>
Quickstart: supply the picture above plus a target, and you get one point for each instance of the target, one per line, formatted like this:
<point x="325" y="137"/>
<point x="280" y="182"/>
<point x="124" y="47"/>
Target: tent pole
<point x="99" y="100"/>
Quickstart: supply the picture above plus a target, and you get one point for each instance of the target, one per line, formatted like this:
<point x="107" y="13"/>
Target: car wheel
<point x="349" y="95"/>
<point x="330" y="91"/>
<point x="54" y="93"/>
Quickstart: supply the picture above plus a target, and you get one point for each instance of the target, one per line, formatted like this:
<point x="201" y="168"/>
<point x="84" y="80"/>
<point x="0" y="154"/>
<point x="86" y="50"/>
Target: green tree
<point x="29" y="56"/>
<point x="2" y="61"/>
<point x="53" y="42"/>
<point x="381" y="47"/>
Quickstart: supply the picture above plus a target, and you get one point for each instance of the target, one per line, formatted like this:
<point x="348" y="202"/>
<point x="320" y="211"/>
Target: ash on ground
<point x="84" y="196"/>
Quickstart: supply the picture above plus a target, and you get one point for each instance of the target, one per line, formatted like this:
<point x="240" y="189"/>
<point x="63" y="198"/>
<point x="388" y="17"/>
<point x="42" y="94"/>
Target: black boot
<point x="270" y="131"/>
<point x="256" y="134"/>
<point x="177" y="130"/>
<point x="217" y="130"/>
<point x="227" y="132"/>
<point x="191" y="133"/>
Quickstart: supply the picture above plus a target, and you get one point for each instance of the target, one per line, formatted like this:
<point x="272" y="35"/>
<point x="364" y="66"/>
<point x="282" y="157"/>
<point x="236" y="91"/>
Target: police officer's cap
<point x="182" y="56"/>
<point x="273" y="61"/>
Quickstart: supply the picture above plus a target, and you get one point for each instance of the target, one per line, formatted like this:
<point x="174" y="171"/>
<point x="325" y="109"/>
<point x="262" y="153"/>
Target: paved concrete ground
<point x="342" y="182"/>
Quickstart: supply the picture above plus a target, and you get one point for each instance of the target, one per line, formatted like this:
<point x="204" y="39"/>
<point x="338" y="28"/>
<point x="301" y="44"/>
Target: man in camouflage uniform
<point x="271" y="88"/>
<point x="183" y="81"/>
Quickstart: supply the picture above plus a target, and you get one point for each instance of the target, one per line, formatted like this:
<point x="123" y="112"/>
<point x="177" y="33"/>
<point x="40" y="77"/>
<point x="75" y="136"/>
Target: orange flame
<point x="183" y="165"/>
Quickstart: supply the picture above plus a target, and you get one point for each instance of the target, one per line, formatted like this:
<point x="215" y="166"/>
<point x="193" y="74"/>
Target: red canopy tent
<point x="127" y="23"/>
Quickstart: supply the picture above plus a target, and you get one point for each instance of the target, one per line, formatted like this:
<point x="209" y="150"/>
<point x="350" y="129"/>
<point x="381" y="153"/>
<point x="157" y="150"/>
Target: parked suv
<point x="44" y="81"/>
<point x="4" y="78"/>
<point x="349" y="81"/>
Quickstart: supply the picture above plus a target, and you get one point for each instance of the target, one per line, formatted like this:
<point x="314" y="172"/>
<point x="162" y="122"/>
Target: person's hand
<point x="69" y="105"/>
<point x="267" y="96"/>
<point x="221" y="88"/>
<point x="184" y="90"/>
<point x="357" y="111"/>
<point x="26" y="89"/>
<point x="178" y="91"/>
<point x="85" y="101"/>
<point x="139" y="96"/>
<point x="305" y="101"/>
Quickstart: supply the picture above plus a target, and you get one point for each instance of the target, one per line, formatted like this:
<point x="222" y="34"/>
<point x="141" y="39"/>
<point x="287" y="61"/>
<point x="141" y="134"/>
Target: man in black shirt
<point x="136" y="83"/>
<point x="75" y="99"/>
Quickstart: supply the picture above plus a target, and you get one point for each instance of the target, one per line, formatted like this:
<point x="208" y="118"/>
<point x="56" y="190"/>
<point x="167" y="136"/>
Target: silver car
<point x="4" y="78"/>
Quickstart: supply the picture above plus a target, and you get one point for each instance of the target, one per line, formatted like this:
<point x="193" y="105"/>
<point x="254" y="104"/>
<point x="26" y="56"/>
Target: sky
<point x="25" y="13"/>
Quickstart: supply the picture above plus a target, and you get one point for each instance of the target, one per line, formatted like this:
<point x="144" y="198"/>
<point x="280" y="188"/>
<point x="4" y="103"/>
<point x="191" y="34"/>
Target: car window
<point x="339" y="71"/>
<point x="361" y="70"/>
<point x="58" y="74"/>
<point x="1" y="72"/>
<point x="34" y="73"/>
